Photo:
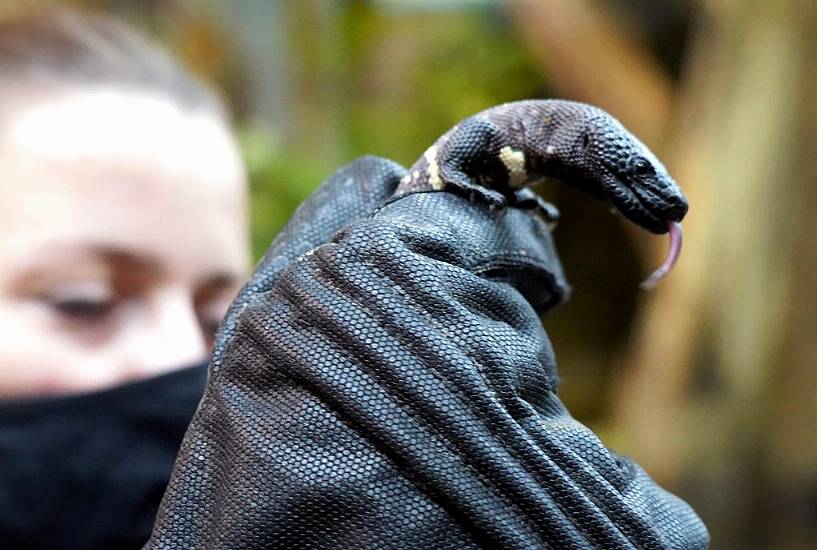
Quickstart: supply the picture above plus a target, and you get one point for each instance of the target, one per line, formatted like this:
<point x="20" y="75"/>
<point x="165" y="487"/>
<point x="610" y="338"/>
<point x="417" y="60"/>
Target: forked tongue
<point x="676" y="239"/>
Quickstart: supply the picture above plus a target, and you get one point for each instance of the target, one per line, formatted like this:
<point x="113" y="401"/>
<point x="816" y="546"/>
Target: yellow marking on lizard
<point x="514" y="161"/>
<point x="433" y="168"/>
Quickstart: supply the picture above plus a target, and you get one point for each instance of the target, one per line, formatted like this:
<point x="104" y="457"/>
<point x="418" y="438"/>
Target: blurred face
<point x="122" y="237"/>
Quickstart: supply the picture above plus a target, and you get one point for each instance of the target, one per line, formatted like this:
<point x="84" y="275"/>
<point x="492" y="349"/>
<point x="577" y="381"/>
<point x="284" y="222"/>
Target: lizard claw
<point x="528" y="200"/>
<point x="479" y="194"/>
<point x="494" y="199"/>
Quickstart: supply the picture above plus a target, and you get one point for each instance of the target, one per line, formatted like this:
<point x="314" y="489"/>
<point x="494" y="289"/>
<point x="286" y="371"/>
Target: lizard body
<point x="496" y="154"/>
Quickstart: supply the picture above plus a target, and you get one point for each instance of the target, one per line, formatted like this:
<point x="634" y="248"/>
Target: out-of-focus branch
<point x="590" y="56"/>
<point x="745" y="289"/>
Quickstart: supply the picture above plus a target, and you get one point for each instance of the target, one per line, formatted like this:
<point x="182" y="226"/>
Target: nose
<point x="168" y="336"/>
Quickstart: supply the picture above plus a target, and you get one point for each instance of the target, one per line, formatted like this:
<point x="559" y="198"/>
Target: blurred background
<point x="710" y="381"/>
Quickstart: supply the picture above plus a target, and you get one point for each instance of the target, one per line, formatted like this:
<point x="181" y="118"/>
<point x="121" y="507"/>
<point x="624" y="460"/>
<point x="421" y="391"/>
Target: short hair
<point x="71" y="47"/>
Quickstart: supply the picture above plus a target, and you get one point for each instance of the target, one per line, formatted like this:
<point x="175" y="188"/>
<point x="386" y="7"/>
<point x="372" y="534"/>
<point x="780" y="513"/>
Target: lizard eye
<point x="643" y="168"/>
<point x="585" y="141"/>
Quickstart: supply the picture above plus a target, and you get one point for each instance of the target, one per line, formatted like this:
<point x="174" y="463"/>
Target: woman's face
<point x="122" y="237"/>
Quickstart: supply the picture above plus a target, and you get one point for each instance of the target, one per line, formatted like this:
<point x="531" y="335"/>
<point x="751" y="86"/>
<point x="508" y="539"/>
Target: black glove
<point x="393" y="388"/>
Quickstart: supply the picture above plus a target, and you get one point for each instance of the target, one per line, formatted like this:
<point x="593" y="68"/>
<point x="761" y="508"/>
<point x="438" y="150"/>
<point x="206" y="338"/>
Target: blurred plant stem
<point x="746" y="107"/>
<point x="589" y="55"/>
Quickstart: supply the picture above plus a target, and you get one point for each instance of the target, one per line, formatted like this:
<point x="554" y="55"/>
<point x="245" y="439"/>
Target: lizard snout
<point x="675" y="211"/>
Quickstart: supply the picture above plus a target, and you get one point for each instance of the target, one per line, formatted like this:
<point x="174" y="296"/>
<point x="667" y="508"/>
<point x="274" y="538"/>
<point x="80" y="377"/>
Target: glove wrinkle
<point x="408" y="412"/>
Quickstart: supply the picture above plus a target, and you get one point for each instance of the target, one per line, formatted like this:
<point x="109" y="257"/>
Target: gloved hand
<point x="384" y="382"/>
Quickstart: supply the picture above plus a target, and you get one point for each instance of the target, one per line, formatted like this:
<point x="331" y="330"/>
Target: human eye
<point x="209" y="327"/>
<point x="83" y="309"/>
<point x="81" y="302"/>
<point x="211" y="302"/>
<point x="210" y="312"/>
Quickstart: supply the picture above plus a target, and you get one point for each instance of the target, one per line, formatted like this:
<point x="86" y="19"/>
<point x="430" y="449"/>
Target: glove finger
<point x="352" y="192"/>
<point x="349" y="194"/>
<point x="512" y="245"/>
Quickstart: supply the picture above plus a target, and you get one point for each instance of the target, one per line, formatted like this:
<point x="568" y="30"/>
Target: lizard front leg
<point x="469" y="162"/>
<point x="528" y="200"/>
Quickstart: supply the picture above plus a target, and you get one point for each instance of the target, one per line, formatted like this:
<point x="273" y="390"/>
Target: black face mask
<point x="89" y="471"/>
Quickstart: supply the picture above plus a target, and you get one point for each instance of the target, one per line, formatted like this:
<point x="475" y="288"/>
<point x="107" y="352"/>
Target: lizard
<point x="495" y="155"/>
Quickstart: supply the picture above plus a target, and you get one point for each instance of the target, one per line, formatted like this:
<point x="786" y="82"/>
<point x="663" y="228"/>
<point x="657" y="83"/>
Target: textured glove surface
<point x="394" y="388"/>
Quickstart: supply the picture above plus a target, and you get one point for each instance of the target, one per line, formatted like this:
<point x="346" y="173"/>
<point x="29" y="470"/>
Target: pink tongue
<point x="676" y="238"/>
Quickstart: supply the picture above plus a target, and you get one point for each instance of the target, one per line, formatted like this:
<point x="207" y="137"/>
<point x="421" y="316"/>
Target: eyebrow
<point x="126" y="258"/>
<point x="133" y="261"/>
<point x="146" y="263"/>
<point x="221" y="281"/>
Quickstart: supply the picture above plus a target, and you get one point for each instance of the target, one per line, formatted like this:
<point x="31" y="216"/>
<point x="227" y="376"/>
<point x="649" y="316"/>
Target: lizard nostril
<point x="676" y="212"/>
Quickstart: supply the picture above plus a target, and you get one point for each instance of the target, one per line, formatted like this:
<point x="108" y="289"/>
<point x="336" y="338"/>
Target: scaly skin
<point x="494" y="155"/>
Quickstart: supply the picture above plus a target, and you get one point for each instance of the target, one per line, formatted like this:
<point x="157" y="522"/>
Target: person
<point x="124" y="239"/>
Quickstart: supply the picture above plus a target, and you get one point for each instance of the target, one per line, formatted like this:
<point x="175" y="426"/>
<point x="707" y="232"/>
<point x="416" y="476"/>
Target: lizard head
<point x="616" y="166"/>
<point x="592" y="150"/>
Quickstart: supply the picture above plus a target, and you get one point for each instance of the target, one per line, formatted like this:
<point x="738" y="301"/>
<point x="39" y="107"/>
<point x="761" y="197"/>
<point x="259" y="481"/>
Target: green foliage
<point x="380" y="84"/>
<point x="280" y="179"/>
<point x="409" y="78"/>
